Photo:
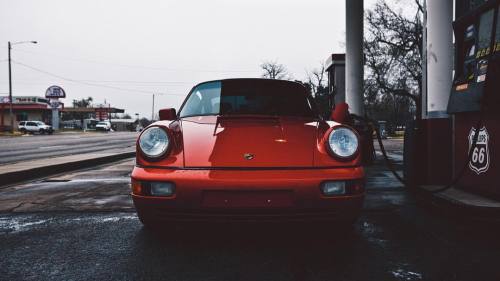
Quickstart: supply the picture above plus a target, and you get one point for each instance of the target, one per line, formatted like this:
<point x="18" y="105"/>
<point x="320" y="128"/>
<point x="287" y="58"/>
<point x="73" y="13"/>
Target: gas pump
<point x="475" y="100"/>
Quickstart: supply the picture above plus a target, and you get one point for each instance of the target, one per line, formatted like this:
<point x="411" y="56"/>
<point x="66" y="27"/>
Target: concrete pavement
<point x="40" y="168"/>
<point x="100" y="188"/>
<point x="38" y="156"/>
<point x="31" y="147"/>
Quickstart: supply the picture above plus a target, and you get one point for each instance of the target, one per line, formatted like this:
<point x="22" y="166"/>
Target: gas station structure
<point x="453" y="141"/>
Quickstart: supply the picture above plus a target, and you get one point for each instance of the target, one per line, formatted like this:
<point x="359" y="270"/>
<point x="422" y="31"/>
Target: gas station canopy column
<point x="354" y="56"/>
<point x="439" y="62"/>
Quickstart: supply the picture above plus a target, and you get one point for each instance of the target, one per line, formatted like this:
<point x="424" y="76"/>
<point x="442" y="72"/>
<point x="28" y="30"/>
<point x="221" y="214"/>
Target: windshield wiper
<point x="243" y="116"/>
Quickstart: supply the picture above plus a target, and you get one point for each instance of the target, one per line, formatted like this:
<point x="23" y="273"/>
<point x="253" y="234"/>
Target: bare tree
<point x="317" y="79"/>
<point x="274" y="70"/>
<point x="316" y="83"/>
<point x="393" y="53"/>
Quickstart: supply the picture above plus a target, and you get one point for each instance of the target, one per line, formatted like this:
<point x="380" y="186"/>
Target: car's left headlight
<point x="154" y="142"/>
<point x="343" y="143"/>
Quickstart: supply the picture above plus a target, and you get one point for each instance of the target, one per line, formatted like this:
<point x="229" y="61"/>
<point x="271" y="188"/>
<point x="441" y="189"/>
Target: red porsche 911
<point x="247" y="150"/>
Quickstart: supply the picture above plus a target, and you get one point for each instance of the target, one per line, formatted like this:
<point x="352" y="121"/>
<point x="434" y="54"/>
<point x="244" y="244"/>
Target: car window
<point x="31" y="124"/>
<point x="249" y="96"/>
<point x="203" y="100"/>
<point x="21" y="123"/>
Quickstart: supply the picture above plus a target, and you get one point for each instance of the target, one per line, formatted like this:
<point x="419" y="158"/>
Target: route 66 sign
<point x="480" y="160"/>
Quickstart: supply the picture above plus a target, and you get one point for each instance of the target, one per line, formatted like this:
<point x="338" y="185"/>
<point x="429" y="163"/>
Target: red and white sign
<point x="101" y="113"/>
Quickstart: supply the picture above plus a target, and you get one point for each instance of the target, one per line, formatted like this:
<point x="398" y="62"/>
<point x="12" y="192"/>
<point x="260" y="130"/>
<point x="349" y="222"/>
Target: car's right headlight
<point x="154" y="142"/>
<point x="343" y="143"/>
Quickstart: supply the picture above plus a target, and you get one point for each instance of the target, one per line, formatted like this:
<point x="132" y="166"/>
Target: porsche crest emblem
<point x="248" y="156"/>
<point x="480" y="160"/>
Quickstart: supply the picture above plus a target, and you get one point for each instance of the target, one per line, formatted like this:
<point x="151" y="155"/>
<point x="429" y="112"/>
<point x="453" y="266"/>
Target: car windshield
<point x="40" y="123"/>
<point x="248" y="97"/>
<point x="102" y="123"/>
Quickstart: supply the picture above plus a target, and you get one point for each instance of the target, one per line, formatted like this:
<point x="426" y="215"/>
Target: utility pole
<point x="153" y="110"/>
<point x="9" y="45"/>
<point x="10" y="96"/>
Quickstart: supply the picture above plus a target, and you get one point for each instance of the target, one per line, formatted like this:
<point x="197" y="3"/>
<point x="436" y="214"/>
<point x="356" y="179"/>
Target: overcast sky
<point x="160" y="46"/>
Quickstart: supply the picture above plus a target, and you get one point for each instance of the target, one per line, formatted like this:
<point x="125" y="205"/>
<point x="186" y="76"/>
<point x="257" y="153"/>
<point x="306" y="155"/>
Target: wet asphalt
<point x="383" y="245"/>
<point x="73" y="236"/>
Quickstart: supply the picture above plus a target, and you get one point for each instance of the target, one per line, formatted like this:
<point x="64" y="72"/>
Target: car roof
<point x="251" y="79"/>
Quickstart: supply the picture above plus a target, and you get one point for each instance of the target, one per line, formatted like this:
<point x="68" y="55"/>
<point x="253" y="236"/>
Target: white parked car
<point x="35" y="127"/>
<point x="103" y="126"/>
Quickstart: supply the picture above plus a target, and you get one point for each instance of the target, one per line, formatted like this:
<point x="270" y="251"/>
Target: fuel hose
<point x="370" y="122"/>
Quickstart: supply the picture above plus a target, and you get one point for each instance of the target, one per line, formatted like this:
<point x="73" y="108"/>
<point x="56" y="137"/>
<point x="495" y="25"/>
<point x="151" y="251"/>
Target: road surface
<point x="30" y="147"/>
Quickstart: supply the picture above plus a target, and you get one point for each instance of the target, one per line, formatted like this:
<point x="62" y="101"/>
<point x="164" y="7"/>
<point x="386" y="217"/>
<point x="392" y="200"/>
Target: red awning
<point x="25" y="106"/>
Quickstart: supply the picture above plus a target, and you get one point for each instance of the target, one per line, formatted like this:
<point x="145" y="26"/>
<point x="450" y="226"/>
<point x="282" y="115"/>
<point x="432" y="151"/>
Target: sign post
<point x="54" y="93"/>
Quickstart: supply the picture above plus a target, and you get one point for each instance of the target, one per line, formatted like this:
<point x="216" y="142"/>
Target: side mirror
<point x="340" y="113"/>
<point x="168" y="114"/>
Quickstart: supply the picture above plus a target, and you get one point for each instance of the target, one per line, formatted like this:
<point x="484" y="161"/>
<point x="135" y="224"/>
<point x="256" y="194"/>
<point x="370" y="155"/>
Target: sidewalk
<point x="460" y="202"/>
<point x="32" y="169"/>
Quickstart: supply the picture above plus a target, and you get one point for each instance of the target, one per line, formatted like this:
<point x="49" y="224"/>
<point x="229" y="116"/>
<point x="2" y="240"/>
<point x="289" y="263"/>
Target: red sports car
<point x="247" y="149"/>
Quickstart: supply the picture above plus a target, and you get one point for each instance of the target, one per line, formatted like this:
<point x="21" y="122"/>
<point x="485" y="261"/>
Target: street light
<point x="153" y="110"/>
<point x="10" y="83"/>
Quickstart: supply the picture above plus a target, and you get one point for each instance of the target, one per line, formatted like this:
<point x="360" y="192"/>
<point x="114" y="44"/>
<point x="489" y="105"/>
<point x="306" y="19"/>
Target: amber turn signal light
<point x="136" y="187"/>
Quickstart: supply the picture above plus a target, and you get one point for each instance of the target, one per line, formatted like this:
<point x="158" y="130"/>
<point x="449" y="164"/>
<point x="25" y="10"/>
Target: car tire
<point x="41" y="131"/>
<point x="23" y="131"/>
<point x="156" y="225"/>
<point x="148" y="223"/>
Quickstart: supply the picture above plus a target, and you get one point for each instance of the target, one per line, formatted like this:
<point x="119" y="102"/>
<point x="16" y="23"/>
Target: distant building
<point x="24" y="108"/>
<point x="98" y="112"/>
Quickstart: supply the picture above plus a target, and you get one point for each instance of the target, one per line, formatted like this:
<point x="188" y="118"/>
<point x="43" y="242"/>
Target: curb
<point x="455" y="208"/>
<point x="44" y="171"/>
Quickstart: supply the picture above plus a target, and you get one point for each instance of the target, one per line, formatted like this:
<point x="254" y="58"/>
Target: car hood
<point x="248" y="141"/>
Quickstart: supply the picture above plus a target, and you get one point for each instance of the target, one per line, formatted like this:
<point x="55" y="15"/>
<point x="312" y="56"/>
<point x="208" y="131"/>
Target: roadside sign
<point x="55" y="92"/>
<point x="480" y="161"/>
<point x="102" y="113"/>
<point x="54" y="104"/>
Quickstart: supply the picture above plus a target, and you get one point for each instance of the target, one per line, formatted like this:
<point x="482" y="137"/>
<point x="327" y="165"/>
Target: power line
<point x="145" y="83"/>
<point x="87" y="83"/>
<point x="137" y="66"/>
<point x="138" y="82"/>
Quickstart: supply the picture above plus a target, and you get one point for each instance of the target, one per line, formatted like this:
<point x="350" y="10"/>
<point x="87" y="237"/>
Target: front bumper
<point x="249" y="195"/>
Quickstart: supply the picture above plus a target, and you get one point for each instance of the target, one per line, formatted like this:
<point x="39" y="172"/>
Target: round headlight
<point x="154" y="142"/>
<point x="343" y="142"/>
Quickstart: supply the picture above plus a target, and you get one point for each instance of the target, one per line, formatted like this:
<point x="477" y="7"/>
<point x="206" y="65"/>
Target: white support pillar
<point x="439" y="47"/>
<point x="354" y="56"/>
